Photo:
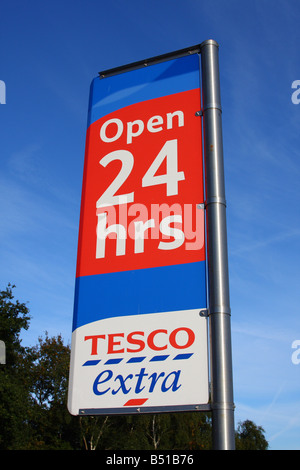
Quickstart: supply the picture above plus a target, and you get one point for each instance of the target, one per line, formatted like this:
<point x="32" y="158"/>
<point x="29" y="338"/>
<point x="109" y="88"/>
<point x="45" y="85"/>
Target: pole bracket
<point x="204" y="313"/>
<point x="212" y="106"/>
<point x="215" y="200"/>
<point x="223" y="310"/>
<point x="223" y="406"/>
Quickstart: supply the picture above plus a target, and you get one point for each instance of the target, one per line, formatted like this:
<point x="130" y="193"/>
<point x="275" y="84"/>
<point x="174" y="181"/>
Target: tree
<point x="52" y="426"/>
<point x="186" y="431"/>
<point x="49" y="365"/>
<point x="250" y="437"/>
<point x="93" y="429"/>
<point x="33" y="404"/>
<point x="157" y="429"/>
<point x="14" y="394"/>
<point x="14" y="316"/>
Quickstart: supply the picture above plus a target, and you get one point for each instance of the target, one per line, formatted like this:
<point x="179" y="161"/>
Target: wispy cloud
<point x="281" y="423"/>
<point x="262" y="330"/>
<point x="253" y="245"/>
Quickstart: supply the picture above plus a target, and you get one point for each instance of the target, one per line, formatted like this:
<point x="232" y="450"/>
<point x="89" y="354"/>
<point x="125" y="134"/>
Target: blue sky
<point x="49" y="53"/>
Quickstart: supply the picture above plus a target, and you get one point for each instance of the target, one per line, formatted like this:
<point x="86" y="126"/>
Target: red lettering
<point x="112" y="343"/>
<point x="150" y="340"/>
<point x="191" y="338"/>
<point x="136" y="341"/>
<point x="94" y="339"/>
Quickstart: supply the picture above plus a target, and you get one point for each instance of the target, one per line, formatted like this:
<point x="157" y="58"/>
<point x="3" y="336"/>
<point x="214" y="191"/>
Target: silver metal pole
<point x="219" y="303"/>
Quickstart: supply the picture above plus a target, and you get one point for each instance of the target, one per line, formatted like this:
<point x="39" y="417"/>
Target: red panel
<point x="152" y="116"/>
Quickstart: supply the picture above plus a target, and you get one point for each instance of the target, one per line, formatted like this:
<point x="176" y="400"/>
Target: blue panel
<point x="162" y="289"/>
<point x="116" y="92"/>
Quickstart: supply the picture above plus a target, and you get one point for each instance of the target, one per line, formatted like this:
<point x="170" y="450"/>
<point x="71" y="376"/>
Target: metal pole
<point x="219" y="303"/>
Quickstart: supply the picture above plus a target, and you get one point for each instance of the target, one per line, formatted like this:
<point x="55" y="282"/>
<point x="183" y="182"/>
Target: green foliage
<point x="52" y="426"/>
<point x="33" y="411"/>
<point x="250" y="437"/>
<point x="48" y="363"/>
<point x="14" y="397"/>
<point x="14" y="318"/>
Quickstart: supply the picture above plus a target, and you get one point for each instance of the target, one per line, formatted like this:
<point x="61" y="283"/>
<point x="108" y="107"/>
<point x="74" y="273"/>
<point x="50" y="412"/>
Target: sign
<point x="139" y="341"/>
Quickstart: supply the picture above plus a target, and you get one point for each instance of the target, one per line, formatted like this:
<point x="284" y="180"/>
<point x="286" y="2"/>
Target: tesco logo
<point x="136" y="341"/>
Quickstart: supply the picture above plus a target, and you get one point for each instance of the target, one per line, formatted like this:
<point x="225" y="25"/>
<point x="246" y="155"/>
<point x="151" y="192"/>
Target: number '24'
<point x="170" y="178"/>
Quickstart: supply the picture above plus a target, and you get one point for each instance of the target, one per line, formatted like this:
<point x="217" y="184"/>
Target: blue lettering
<point x="173" y="385"/>
<point x="140" y="376"/>
<point x="122" y="386"/>
<point x="154" y="378"/>
<point x="98" y="382"/>
<point x="170" y="382"/>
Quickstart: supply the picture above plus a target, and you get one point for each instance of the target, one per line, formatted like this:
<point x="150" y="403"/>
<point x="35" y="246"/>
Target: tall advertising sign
<point x="139" y="341"/>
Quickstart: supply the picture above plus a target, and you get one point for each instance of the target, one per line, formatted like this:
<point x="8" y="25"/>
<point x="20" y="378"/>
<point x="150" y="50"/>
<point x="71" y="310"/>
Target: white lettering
<point x="109" y="197"/>
<point x="140" y="228"/>
<point x="111" y="224"/>
<point x="155" y="121"/>
<point x="118" y="134"/>
<point x="170" y="116"/>
<point x="130" y="133"/>
<point x="112" y="129"/>
<point x="172" y="176"/>
<point x="103" y="232"/>
<point x="171" y="232"/>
